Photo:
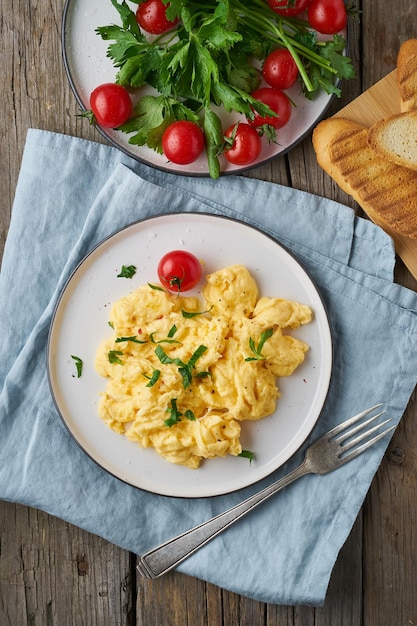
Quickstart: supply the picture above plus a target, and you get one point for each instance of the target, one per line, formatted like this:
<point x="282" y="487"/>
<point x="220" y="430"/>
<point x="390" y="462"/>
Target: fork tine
<point x="347" y="434"/>
<point x="344" y="458"/>
<point x="352" y="420"/>
<point x="364" y="435"/>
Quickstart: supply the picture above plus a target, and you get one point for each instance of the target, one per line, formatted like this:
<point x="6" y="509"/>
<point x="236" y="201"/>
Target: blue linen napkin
<point x="73" y="193"/>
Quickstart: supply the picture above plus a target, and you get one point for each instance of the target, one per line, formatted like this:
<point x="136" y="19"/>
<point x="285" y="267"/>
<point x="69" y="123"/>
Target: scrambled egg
<point x="182" y="376"/>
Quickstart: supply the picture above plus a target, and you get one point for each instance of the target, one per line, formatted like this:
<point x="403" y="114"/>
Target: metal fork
<point x="332" y="450"/>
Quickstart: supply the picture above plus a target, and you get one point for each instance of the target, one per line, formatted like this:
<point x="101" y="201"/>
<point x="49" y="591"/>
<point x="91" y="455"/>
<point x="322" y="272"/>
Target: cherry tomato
<point x="111" y="105"/>
<point x="246" y="146"/>
<point x="179" y="270"/>
<point x="327" y="16"/>
<point x="278" y="101"/>
<point x="279" y="69"/>
<point x="151" y="16"/>
<point x="182" y="142"/>
<point x="289" y="7"/>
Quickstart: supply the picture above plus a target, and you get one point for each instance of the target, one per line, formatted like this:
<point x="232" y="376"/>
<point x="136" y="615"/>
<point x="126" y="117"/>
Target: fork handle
<point x="168" y="555"/>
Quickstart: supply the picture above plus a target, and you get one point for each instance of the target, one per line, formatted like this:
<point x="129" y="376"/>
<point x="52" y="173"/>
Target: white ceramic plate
<point x="88" y="66"/>
<point x="80" y="323"/>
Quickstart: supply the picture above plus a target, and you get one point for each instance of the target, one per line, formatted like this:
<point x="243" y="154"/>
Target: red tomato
<point x="182" y="142"/>
<point x="289" y="7"/>
<point x="151" y="16"/>
<point x="111" y="105"/>
<point x="246" y="146"/>
<point x="278" y="101"/>
<point x="327" y="16"/>
<point x="279" y="69"/>
<point x="179" y="270"/>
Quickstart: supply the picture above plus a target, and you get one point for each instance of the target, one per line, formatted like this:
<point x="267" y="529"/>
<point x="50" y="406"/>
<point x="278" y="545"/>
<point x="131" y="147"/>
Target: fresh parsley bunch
<point x="208" y="59"/>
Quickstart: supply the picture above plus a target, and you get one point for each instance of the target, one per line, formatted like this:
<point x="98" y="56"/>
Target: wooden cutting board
<point x="383" y="100"/>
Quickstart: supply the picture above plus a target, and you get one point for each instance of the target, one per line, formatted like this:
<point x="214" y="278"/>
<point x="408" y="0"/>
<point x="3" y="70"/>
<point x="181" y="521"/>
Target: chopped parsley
<point x="134" y="339"/>
<point x="153" y="379"/>
<point x="185" y="369"/>
<point x="113" y="356"/>
<point x="172" y="331"/>
<point x="190" y="314"/>
<point x="257" y="350"/>
<point x="127" y="271"/>
<point x="167" y="340"/>
<point x="155" y="287"/>
<point x="78" y="365"/>
<point x="175" y="414"/>
<point x="247" y="454"/>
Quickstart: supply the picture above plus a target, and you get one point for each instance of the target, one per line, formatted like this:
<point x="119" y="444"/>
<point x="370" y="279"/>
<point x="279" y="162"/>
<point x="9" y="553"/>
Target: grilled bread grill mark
<point x="386" y="191"/>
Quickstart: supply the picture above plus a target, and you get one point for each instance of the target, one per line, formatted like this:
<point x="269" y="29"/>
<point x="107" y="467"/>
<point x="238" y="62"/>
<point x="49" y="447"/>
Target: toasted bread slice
<point x="395" y="138"/>
<point x="387" y="192"/>
<point x="407" y="74"/>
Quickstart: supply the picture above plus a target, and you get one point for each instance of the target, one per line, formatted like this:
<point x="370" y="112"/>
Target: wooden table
<point x="54" y="574"/>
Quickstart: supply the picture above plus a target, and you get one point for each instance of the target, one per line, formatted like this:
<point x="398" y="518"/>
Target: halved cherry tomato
<point x="151" y="16"/>
<point x="179" y="270"/>
<point x="327" y="16"/>
<point x="183" y="142"/>
<point x="278" y="102"/>
<point x="279" y="69"/>
<point x="289" y="7"/>
<point x="111" y="105"/>
<point x="246" y="145"/>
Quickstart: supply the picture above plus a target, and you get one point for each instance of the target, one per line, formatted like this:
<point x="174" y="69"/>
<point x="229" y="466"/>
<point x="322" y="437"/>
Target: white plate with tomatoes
<point x="88" y="67"/>
<point x="80" y="324"/>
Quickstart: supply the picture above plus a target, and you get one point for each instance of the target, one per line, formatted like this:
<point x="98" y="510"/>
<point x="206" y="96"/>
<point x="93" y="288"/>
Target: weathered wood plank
<point x="390" y="575"/>
<point x="390" y="511"/>
<point x="52" y="573"/>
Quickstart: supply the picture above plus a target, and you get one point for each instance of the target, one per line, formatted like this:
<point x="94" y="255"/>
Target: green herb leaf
<point x="162" y="356"/>
<point x="185" y="369"/>
<point x="167" y="340"/>
<point x="197" y="354"/>
<point x="172" y="331"/>
<point x="113" y="356"/>
<point x="175" y="414"/>
<point x="214" y="139"/>
<point x="155" y="376"/>
<point x="155" y="287"/>
<point x="257" y="350"/>
<point x="190" y="415"/>
<point x="247" y="454"/>
<point x="78" y="365"/>
<point x="205" y="374"/>
<point x="127" y="271"/>
<point x="186" y="374"/>
<point x="134" y="339"/>
<point x="190" y="314"/>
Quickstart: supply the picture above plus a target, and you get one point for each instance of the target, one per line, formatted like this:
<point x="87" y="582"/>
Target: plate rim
<point x="177" y="214"/>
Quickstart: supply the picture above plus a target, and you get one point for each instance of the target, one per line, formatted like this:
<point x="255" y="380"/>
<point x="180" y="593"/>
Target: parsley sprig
<point x="207" y="61"/>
